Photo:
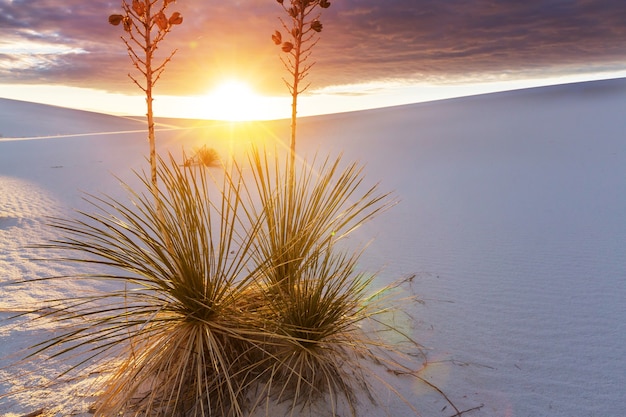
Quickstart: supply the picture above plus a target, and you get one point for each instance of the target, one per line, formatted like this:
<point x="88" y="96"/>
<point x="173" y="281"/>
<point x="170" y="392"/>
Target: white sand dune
<point x="512" y="218"/>
<point x="21" y="119"/>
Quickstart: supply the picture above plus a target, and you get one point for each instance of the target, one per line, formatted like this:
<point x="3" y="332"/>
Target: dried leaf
<point x="127" y="23"/>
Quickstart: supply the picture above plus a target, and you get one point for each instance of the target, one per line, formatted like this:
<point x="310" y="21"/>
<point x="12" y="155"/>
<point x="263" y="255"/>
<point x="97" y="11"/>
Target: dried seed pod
<point x="175" y="19"/>
<point x="295" y="32"/>
<point x="277" y="38"/>
<point x="316" y="25"/>
<point x="324" y="4"/>
<point x="116" y="19"/>
<point x="280" y="1"/>
<point x="161" y="21"/>
<point x="166" y="2"/>
<point x="139" y="7"/>
<point x="287" y="47"/>
<point x="127" y="24"/>
<point x="293" y="12"/>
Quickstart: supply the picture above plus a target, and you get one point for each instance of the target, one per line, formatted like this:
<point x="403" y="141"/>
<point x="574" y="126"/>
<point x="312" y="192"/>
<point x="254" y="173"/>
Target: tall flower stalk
<point x="301" y="28"/>
<point x="146" y="25"/>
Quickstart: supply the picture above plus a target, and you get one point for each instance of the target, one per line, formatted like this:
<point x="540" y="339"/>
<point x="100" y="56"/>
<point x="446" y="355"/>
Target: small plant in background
<point x="147" y="24"/>
<point x="300" y="28"/>
<point x="205" y="156"/>
<point x="208" y="157"/>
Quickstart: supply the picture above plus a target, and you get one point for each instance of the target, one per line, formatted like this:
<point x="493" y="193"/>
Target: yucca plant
<point x="314" y="300"/>
<point x="175" y="325"/>
<point x="314" y="339"/>
<point x="244" y="309"/>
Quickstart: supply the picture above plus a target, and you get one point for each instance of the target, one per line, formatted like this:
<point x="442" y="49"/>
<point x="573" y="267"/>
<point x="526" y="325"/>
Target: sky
<point x="370" y="53"/>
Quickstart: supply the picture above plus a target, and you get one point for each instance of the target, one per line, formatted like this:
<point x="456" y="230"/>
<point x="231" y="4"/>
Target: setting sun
<point x="234" y="100"/>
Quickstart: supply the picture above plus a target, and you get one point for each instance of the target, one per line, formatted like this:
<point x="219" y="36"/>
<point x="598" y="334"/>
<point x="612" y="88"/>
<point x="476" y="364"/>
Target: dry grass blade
<point x="323" y="206"/>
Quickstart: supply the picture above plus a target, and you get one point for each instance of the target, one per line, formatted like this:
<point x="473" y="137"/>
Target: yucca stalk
<point x="175" y="323"/>
<point x="146" y="25"/>
<point x="301" y="28"/>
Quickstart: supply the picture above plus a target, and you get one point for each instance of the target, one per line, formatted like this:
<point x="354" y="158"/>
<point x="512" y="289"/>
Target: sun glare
<point x="235" y="101"/>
